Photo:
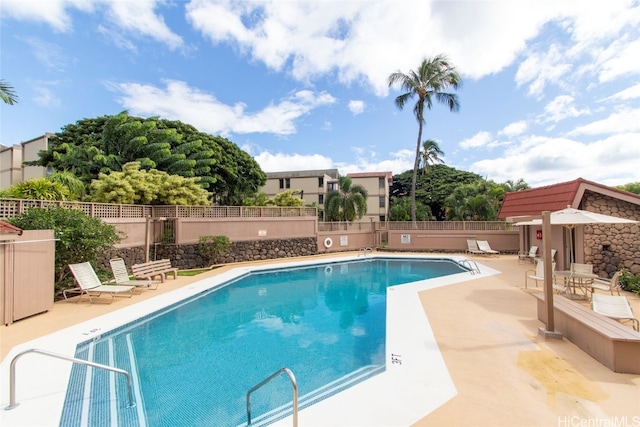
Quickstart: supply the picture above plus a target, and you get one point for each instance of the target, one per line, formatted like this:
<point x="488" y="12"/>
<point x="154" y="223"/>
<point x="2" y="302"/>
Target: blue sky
<point x="551" y="89"/>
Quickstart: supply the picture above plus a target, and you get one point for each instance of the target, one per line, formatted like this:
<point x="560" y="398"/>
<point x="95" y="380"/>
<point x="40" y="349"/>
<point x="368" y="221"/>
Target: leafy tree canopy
<point x="632" y="187"/>
<point x="432" y="187"/>
<point x="135" y="186"/>
<point x="347" y="203"/>
<point x="400" y="210"/>
<point x="79" y="237"/>
<point x="37" y="189"/>
<point x="105" y="144"/>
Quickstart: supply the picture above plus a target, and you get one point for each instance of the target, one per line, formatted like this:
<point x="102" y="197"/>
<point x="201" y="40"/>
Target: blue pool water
<point x="193" y="363"/>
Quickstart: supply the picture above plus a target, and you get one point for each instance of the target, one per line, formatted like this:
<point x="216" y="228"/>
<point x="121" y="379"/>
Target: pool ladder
<point x="364" y="251"/>
<point x="294" y="386"/>
<point x="470" y="265"/>
<point x="12" y="373"/>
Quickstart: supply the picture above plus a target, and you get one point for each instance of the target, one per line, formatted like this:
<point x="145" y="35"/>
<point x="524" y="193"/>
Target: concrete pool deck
<point x="486" y="330"/>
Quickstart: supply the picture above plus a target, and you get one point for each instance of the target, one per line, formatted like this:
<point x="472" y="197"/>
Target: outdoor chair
<point x="472" y="247"/>
<point x="121" y="275"/>
<point x="483" y="245"/>
<point x="537" y="275"/>
<point x="528" y="256"/>
<point x="607" y="285"/>
<point x="89" y="284"/>
<point x="614" y="307"/>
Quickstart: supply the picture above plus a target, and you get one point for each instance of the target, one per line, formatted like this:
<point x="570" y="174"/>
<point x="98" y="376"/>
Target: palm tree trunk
<point x="415" y="176"/>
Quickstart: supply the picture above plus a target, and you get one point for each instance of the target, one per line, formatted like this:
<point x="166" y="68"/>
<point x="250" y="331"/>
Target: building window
<point x="321" y="199"/>
<point x="381" y="201"/>
<point x="321" y="181"/>
<point x="287" y="182"/>
<point x="382" y="218"/>
<point x="281" y="183"/>
<point x="380" y="182"/>
<point x="332" y="186"/>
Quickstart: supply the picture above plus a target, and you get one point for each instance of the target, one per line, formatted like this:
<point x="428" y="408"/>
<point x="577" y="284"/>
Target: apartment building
<point x="11" y="158"/>
<point x="313" y="185"/>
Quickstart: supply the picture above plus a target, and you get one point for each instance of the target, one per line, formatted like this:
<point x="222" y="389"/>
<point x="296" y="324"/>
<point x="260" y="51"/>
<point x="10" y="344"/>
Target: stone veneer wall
<point x="612" y="247"/>
<point x="187" y="257"/>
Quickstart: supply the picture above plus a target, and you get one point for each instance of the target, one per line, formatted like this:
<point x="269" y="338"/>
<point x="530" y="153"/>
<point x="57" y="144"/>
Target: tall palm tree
<point x="7" y="94"/>
<point x="429" y="82"/>
<point x="430" y="154"/>
<point x="347" y="203"/>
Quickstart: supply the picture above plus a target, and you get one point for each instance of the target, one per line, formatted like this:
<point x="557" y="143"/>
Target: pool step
<point x="96" y="397"/>
<point x="318" y="394"/>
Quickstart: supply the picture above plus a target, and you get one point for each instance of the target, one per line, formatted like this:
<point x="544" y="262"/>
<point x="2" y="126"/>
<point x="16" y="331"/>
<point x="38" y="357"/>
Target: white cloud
<point x="356" y="107"/>
<point x="623" y="121"/>
<point x="281" y="162"/>
<point x="560" y="108"/>
<point x="138" y="17"/>
<point x="514" y="129"/>
<point x="181" y="102"/>
<point x="45" y="97"/>
<point x="51" y="12"/>
<point x="480" y="139"/>
<point x="632" y="92"/>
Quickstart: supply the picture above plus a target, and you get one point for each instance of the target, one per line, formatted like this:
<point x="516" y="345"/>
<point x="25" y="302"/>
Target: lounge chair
<point x="537" y="275"/>
<point x="607" y="285"/>
<point x="528" y="256"/>
<point x="483" y="245"/>
<point x="89" y="284"/>
<point x="472" y="247"/>
<point x="614" y="307"/>
<point x="122" y="277"/>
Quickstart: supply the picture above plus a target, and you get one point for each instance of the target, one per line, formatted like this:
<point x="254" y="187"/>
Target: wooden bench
<point x="611" y="343"/>
<point x="151" y="269"/>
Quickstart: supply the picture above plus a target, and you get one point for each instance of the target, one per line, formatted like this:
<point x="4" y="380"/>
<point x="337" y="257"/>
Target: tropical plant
<point x="428" y="83"/>
<point x="135" y="186"/>
<point x="37" y="189"/>
<point x="7" y="93"/>
<point x="347" y="203"/>
<point x="510" y="186"/>
<point x="632" y="187"/>
<point x="630" y="282"/>
<point x="79" y="237"/>
<point x="479" y="201"/>
<point x="430" y="154"/>
<point x="286" y="198"/>
<point x="211" y="247"/>
<point x="400" y="210"/>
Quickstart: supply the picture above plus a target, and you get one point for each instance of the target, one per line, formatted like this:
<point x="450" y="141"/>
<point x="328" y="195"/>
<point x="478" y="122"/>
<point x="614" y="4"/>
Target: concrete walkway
<point x="487" y="331"/>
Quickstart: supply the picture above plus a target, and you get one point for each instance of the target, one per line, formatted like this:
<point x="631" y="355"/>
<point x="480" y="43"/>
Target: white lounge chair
<point x="89" y="284"/>
<point x="528" y="256"/>
<point x="121" y="275"/>
<point x="472" y="247"/>
<point x="483" y="245"/>
<point x="607" y="285"/>
<point x="614" y="307"/>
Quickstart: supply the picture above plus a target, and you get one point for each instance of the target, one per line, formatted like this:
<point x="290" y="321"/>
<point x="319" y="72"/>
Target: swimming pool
<point x="406" y="356"/>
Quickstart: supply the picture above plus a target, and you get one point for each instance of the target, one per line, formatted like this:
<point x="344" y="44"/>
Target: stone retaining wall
<point x="611" y="247"/>
<point x="187" y="257"/>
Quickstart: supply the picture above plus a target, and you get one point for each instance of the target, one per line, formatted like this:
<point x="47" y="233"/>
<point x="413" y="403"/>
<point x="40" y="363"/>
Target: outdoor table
<point x="577" y="281"/>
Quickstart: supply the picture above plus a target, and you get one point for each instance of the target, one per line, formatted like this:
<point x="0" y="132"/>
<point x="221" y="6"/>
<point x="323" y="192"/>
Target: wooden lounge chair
<point x="483" y="245"/>
<point x="528" y="256"/>
<point x="472" y="247"/>
<point x="121" y="275"/>
<point x="614" y="307"/>
<point x="89" y="284"/>
<point x="607" y="285"/>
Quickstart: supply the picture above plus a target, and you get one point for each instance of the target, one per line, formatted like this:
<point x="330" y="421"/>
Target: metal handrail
<point x="364" y="251"/>
<point x="294" y="386"/>
<point x="12" y="374"/>
<point x="471" y="265"/>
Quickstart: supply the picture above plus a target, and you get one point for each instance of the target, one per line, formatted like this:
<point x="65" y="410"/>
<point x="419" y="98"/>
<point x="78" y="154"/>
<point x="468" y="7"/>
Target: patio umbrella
<point x="570" y="218"/>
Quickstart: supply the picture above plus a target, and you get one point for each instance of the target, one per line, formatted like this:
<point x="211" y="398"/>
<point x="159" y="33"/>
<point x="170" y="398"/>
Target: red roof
<point x="6" y="228"/>
<point x="555" y="197"/>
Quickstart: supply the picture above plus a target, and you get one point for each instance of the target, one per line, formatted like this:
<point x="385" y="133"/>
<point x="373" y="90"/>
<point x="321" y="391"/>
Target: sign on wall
<point x="405" y="239"/>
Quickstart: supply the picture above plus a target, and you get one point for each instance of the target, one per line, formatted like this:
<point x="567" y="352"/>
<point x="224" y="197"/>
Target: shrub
<point x="630" y="282"/>
<point x="79" y="237"/>
<point x="212" y="246"/>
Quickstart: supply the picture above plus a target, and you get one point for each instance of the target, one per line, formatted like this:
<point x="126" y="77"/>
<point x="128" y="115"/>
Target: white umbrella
<point x="570" y="218"/>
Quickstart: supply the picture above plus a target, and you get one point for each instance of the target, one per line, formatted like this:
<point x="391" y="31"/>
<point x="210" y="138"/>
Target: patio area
<point x="487" y="332"/>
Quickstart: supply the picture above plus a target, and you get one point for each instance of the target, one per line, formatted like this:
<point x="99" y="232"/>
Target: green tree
<point x="79" y="237"/>
<point x="400" y="210"/>
<point x="105" y="144"/>
<point x="211" y="247"/>
<point x="37" y="189"/>
<point x="7" y="93"/>
<point x="135" y="186"/>
<point x="632" y="187"/>
<point x="511" y="186"/>
<point x="76" y="188"/>
<point x="347" y="203"/>
<point x="286" y="198"/>
<point x="432" y="187"/>
<point x="478" y="201"/>
<point x="428" y="83"/>
<point x="430" y="154"/>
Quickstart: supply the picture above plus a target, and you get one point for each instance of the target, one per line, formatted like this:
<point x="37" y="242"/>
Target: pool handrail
<point x="12" y="373"/>
<point x="294" y="386"/>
